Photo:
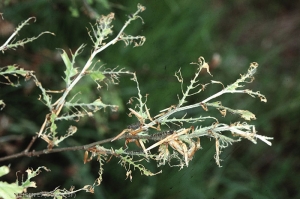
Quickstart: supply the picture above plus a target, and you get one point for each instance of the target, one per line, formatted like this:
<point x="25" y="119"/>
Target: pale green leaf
<point x="15" y="70"/>
<point x="66" y="59"/>
<point x="70" y="70"/>
<point x="4" y="170"/>
<point x="97" y="76"/>
<point x="53" y="125"/>
<point x="247" y="115"/>
<point x="9" y="191"/>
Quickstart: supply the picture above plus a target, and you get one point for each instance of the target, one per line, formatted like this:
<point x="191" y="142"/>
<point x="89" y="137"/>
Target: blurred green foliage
<point x="177" y="33"/>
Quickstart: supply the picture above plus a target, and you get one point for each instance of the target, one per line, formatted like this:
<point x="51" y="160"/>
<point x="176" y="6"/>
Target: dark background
<point x="177" y="33"/>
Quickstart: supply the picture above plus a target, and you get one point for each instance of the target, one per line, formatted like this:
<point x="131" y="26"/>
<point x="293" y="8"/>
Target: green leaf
<point x="14" y="70"/>
<point x="74" y="11"/>
<point x="9" y="191"/>
<point x="247" y="115"/>
<point x="70" y="70"/>
<point x="105" y="4"/>
<point x="53" y="125"/>
<point x="97" y="76"/>
<point x="66" y="59"/>
<point x="10" y="69"/>
<point x="4" y="170"/>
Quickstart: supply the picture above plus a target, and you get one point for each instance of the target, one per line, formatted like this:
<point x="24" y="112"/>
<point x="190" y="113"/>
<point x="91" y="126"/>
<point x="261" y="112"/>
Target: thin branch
<point x="16" y="32"/>
<point x="30" y="144"/>
<point x="48" y="151"/>
<point x="26" y="152"/>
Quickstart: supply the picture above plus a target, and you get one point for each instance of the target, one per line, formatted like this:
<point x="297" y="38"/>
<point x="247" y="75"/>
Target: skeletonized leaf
<point x="30" y="174"/>
<point x="15" y="70"/>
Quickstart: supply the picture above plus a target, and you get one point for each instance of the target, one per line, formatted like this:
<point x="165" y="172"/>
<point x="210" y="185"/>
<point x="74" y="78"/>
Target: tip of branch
<point x="34" y="19"/>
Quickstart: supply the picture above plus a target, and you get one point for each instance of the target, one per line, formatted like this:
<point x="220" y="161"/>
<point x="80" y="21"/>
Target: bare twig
<point x="33" y="153"/>
<point x="30" y="144"/>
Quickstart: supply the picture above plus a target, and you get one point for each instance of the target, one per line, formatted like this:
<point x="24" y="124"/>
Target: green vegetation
<point x="62" y="107"/>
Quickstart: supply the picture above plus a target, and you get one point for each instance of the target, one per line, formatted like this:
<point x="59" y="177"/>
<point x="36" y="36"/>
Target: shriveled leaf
<point x="223" y="112"/>
<point x="15" y="71"/>
<point x="30" y="174"/>
<point x="257" y="93"/>
<point x="2" y="104"/>
<point x="206" y="66"/>
<point x="262" y="98"/>
<point x="217" y="82"/>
